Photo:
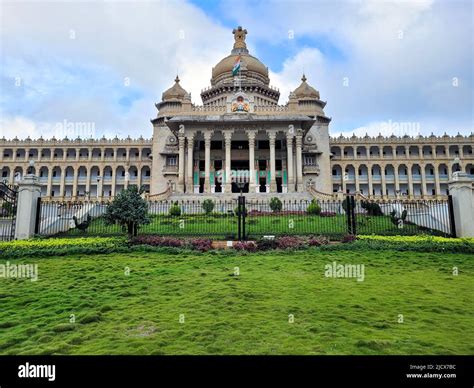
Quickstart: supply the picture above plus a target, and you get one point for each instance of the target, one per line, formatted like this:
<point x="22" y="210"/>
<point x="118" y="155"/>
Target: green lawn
<point x="245" y="314"/>
<point x="257" y="226"/>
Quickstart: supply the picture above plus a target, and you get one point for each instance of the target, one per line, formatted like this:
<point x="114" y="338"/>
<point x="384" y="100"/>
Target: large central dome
<point x="250" y="67"/>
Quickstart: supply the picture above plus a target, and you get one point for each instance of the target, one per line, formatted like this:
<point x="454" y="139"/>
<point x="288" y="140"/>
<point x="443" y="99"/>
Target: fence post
<point x="461" y="190"/>
<point x="452" y="221"/>
<point x="29" y="190"/>
<point x="348" y="214"/>
<point x="243" y="218"/>
<point x="353" y="215"/>
<point x="239" y="220"/>
<point x="38" y="215"/>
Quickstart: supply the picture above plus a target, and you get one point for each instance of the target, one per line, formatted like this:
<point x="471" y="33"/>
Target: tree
<point x="129" y="210"/>
<point x="275" y="204"/>
<point x="208" y="206"/>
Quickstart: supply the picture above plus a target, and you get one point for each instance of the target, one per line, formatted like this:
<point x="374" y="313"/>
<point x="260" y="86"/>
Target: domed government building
<point x="240" y="138"/>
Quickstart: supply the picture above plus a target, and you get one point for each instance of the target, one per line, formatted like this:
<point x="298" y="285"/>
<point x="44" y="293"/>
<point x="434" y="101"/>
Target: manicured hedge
<point x="61" y="246"/>
<point x="422" y="243"/>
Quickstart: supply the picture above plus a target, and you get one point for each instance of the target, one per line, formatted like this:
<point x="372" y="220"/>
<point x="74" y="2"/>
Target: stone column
<point x="272" y="138"/>
<point x="49" y="188"/>
<point x="290" y="164"/>
<point x="207" y="161"/>
<point x="411" y="193"/>
<point x="384" y="185"/>
<point x="190" y="166"/>
<point x="397" y="179"/>
<point x="437" y="184"/>
<point x="29" y="190"/>
<point x="181" y="141"/>
<point x="100" y="184"/>
<point x="114" y="175"/>
<point x="75" y="177"/>
<point x="423" y="180"/>
<point x="62" y="184"/>
<point x="88" y="181"/>
<point x="356" y="176"/>
<point x="252" y="180"/>
<point x="344" y="177"/>
<point x="299" y="162"/>
<point x="461" y="189"/>
<point x="369" y="177"/>
<point x="228" y="172"/>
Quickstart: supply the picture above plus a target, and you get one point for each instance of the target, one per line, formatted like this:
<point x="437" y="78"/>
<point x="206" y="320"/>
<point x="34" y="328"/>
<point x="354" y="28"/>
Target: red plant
<point x="327" y="214"/>
<point x="348" y="238"/>
<point x="318" y="241"/>
<point x="201" y="244"/>
<point x="287" y="242"/>
<point x="249" y="246"/>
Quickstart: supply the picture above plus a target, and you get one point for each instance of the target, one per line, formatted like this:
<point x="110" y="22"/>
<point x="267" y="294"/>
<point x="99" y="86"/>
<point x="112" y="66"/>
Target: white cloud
<point x="400" y="59"/>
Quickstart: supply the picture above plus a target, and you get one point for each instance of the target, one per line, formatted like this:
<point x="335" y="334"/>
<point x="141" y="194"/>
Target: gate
<point x="8" y="207"/>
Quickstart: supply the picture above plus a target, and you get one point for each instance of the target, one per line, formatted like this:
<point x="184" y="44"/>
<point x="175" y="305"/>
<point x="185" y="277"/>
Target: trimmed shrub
<point x="372" y="208"/>
<point x="175" y="210"/>
<point x="208" y="206"/>
<point x="313" y="208"/>
<point x="275" y="204"/>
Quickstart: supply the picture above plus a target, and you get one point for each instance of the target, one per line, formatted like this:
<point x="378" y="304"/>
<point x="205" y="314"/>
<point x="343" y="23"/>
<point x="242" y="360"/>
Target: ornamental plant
<point x="175" y="210"/>
<point x="129" y="210"/>
<point x="313" y="208"/>
<point x="208" y="206"/>
<point x="275" y="204"/>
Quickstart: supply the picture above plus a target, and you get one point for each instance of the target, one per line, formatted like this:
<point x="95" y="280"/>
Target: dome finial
<point x="239" y="41"/>
<point x="303" y="78"/>
<point x="177" y="79"/>
<point x="239" y="37"/>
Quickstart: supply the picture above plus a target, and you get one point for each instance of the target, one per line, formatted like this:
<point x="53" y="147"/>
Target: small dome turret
<point x="176" y="92"/>
<point x="305" y="90"/>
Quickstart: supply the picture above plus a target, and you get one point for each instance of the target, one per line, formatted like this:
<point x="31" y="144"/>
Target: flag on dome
<point x="236" y="67"/>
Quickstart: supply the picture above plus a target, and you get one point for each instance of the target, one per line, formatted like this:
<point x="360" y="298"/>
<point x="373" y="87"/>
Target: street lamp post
<point x="241" y="207"/>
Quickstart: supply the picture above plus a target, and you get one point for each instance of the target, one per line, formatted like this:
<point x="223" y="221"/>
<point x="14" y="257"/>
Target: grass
<point x="246" y="314"/>
<point x="256" y="226"/>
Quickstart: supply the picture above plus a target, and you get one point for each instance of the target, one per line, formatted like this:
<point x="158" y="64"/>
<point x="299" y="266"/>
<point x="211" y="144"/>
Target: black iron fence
<point x="8" y="209"/>
<point x="241" y="219"/>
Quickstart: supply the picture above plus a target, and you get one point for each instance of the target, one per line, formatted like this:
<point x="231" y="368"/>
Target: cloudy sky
<point x="382" y="66"/>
